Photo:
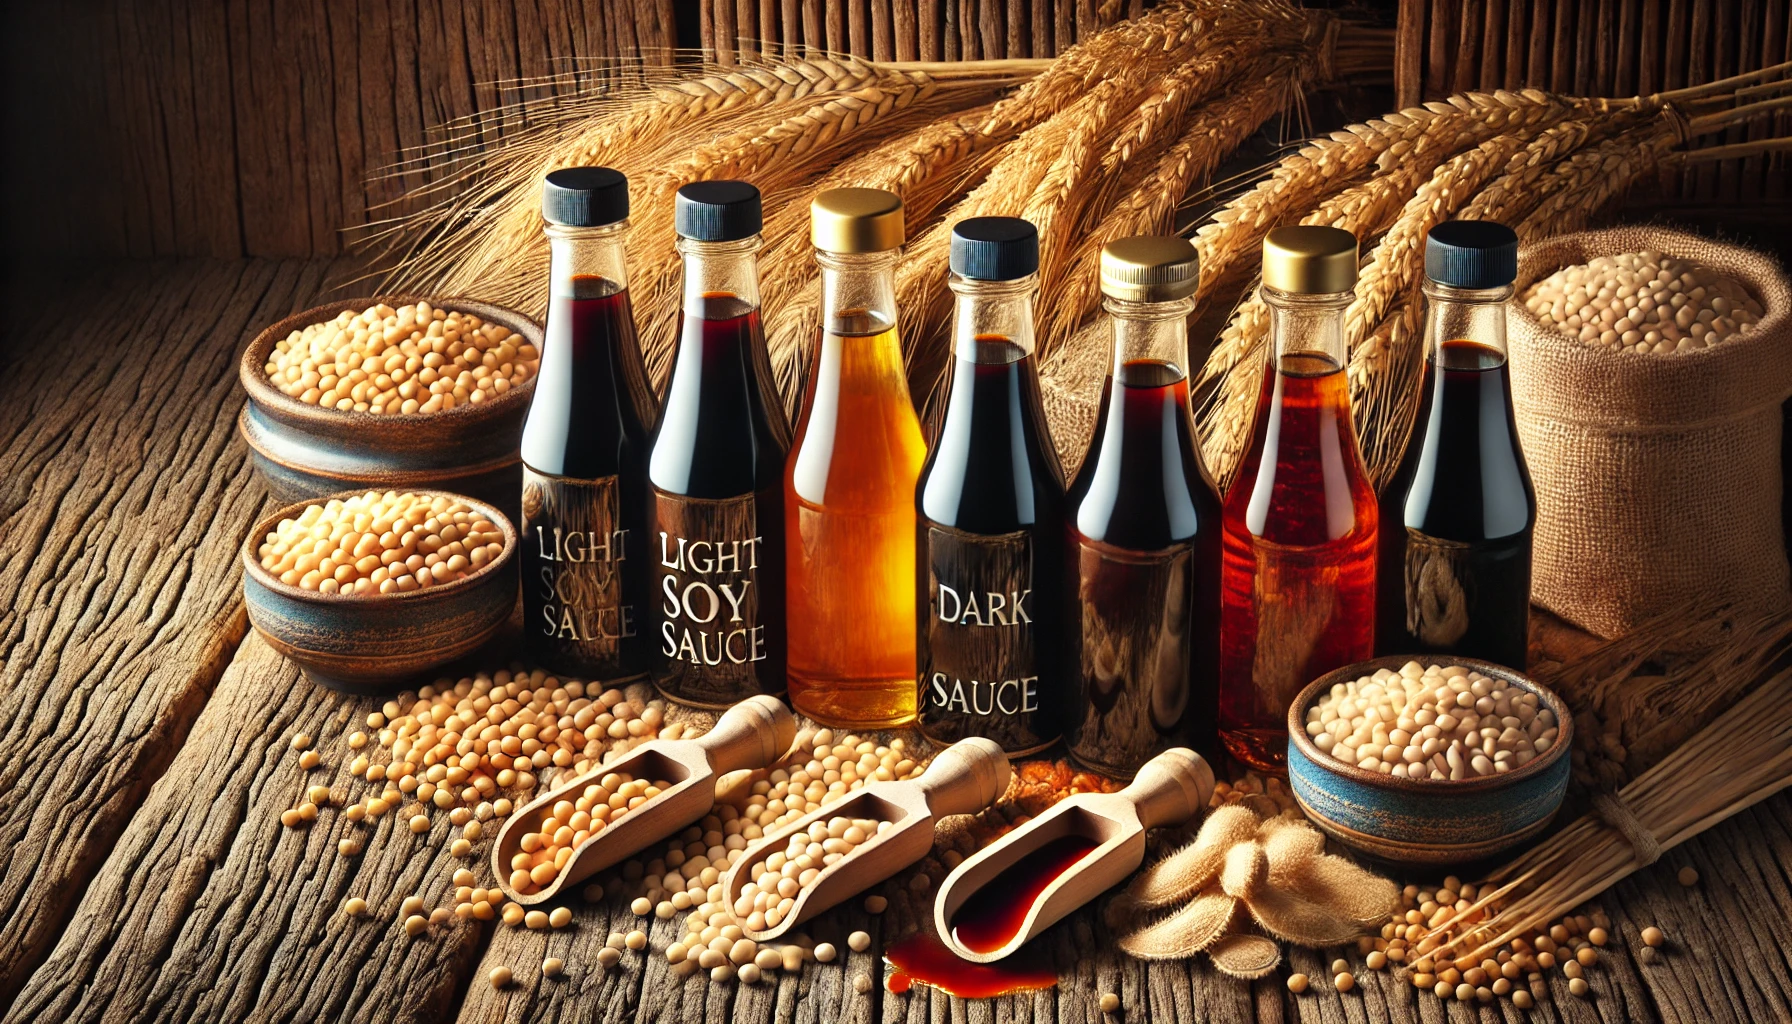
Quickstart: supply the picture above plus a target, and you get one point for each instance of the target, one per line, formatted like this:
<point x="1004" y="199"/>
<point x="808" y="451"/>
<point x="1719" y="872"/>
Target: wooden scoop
<point x="752" y="734"/>
<point x="964" y="778"/>
<point x="1170" y="789"/>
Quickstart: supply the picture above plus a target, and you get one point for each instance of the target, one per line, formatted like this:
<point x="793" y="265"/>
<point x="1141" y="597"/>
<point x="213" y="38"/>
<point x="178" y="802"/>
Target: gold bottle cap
<point x="1310" y="260"/>
<point x="1149" y="268"/>
<point x="856" y="220"/>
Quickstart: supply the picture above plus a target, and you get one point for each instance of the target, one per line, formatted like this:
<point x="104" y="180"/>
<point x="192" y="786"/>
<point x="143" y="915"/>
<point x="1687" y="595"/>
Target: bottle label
<point x="1467" y="598"/>
<point x="717" y="584"/>
<point x="979" y="671"/>
<point x="574" y="550"/>
<point x="1134" y="637"/>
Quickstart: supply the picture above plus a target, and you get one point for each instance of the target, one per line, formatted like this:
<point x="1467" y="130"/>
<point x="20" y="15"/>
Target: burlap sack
<point x="1658" y="476"/>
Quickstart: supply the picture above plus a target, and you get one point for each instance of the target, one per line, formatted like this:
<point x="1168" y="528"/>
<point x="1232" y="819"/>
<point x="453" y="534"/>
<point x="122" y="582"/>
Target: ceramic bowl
<point x="370" y="643"/>
<point x="1426" y="821"/>
<point x="304" y="451"/>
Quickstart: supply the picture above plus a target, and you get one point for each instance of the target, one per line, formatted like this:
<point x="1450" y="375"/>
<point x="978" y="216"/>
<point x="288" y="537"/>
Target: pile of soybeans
<point x="1435" y="722"/>
<point x="380" y="543"/>
<point x="1644" y="302"/>
<point x="413" y="359"/>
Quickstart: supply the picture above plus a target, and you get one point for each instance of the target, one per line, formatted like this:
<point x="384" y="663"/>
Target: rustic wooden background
<point x="1605" y="48"/>
<point x="257" y="127"/>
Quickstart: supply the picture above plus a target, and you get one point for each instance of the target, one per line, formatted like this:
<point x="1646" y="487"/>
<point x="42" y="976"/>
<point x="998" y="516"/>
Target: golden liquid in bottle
<point x="850" y="531"/>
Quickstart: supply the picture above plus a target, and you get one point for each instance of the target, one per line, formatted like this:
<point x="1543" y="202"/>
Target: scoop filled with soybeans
<point x="603" y="816"/>
<point x="850" y="844"/>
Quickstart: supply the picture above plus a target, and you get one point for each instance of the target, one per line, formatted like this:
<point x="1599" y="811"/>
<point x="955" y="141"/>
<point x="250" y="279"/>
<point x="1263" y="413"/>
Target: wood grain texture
<point x="124" y="488"/>
<point x="1603" y="48"/>
<point x="210" y="910"/>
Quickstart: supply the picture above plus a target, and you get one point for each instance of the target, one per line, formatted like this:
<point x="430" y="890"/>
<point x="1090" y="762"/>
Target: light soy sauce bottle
<point x="585" y="505"/>
<point x="1144" y="531"/>
<point x="717" y="468"/>
<point x="1457" y="515"/>
<point x="990" y="501"/>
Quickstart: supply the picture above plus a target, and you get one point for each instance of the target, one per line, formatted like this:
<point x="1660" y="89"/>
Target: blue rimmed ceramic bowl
<point x="1426" y="821"/>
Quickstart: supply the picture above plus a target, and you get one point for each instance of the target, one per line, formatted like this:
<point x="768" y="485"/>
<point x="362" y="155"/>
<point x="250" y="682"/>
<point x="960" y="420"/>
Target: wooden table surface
<point x="144" y="764"/>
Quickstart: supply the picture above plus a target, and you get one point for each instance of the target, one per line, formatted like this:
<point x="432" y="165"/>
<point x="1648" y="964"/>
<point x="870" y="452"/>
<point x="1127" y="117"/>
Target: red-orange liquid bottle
<point x="1297" y="595"/>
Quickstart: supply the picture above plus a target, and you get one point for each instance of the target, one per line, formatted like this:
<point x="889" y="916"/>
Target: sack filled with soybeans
<point x="1649" y="371"/>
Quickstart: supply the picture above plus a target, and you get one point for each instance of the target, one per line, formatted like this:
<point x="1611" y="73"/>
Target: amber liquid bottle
<point x="717" y="468"/>
<point x="1457" y="516"/>
<point x="585" y="504"/>
<point x="849" y="485"/>
<point x="1144" y="531"/>
<point x="1297" y="595"/>
<point x="989" y="546"/>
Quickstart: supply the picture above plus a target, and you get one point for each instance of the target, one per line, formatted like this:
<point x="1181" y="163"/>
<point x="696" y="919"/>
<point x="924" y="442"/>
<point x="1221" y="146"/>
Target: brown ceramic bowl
<point x="370" y="643"/>
<point x="304" y="451"/>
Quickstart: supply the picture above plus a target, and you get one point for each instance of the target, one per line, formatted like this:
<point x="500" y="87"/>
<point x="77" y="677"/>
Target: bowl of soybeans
<point x="1429" y="759"/>
<point x="366" y="590"/>
<point x="391" y="392"/>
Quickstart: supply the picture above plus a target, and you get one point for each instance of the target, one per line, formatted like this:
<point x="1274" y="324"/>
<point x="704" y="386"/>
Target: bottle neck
<point x="1307" y="328"/>
<point x="587" y="263"/>
<point x="1155" y="332"/>
<point x="720" y="270"/>
<point x="992" y="321"/>
<point x="1465" y="314"/>
<point x="858" y="292"/>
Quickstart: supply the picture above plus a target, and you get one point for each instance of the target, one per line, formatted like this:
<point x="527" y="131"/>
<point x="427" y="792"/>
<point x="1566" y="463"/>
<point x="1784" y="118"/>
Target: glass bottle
<point x="850" y="482"/>
<point x="585" y="503"/>
<point x="717" y="468"/>
<point x="1297" y="585"/>
<point x="990" y="540"/>
<point x="1144" y="531"/>
<point x="1457" y="515"/>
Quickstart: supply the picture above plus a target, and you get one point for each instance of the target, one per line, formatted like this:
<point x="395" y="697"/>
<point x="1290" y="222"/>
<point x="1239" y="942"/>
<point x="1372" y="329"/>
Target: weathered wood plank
<point x="210" y="910"/>
<point x="119" y="602"/>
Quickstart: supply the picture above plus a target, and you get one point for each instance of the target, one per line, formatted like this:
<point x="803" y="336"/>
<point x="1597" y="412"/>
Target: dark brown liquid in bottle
<point x="585" y="504"/>
<point x="717" y="470"/>
<point x="989" y="551"/>
<point x="1455" y="575"/>
<point x="1144" y="549"/>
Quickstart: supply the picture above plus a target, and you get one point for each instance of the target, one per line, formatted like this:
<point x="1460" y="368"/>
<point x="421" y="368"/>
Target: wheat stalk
<point x="1426" y="141"/>
<point x="1150" y="200"/>
<point x="1382" y="325"/>
<point x="1735" y="762"/>
<point x="1228" y="242"/>
<point x="1040" y="175"/>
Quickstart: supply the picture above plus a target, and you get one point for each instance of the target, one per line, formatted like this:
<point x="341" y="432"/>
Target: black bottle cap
<point x="717" y="211"/>
<point x="1471" y="254"/>
<point x="584" y="197"/>
<point x="994" y="248"/>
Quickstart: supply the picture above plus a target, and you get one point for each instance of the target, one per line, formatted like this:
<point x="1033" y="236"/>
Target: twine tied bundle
<point x="1241" y="869"/>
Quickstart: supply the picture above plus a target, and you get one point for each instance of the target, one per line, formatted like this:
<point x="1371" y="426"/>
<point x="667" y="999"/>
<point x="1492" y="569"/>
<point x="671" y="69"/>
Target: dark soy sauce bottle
<point x="1144" y="531"/>
<point x="717" y="468"/>
<point x="1457" y="515"/>
<point x="585" y="505"/>
<point x="990" y="506"/>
